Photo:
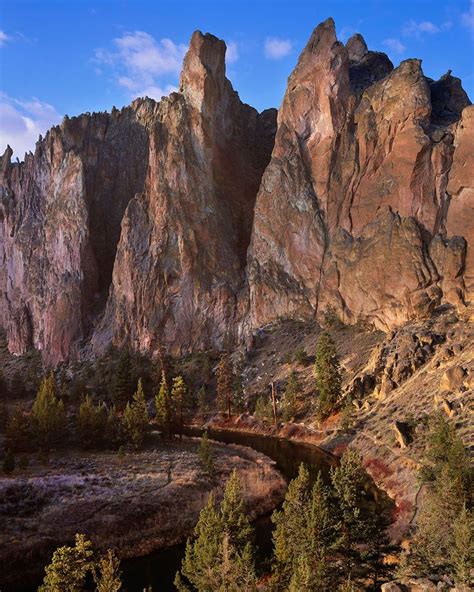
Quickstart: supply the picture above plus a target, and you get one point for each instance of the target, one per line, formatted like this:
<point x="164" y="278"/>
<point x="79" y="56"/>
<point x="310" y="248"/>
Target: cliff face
<point x="155" y="223"/>
<point x="354" y="210"/>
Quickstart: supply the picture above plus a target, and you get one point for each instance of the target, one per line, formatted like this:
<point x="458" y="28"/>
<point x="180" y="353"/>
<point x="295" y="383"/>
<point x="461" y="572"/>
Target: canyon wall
<point x="195" y="220"/>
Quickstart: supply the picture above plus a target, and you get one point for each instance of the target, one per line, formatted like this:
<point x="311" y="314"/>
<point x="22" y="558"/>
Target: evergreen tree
<point x="181" y="402"/>
<point x="48" y="415"/>
<point x="205" y="454"/>
<point x="202" y="401"/>
<point x="290" y="531"/>
<point x="113" y="429"/>
<point x="91" y="423"/>
<point x="348" y="482"/>
<point x="220" y="557"/>
<point x="328" y="374"/>
<point x="135" y="418"/>
<point x="123" y="381"/>
<point x="8" y="465"/>
<point x="225" y="384"/>
<point x="290" y="397"/>
<point x="263" y="409"/>
<point x="462" y="552"/>
<point x="106" y="573"/>
<point x="164" y="408"/>
<point x="18" y="432"/>
<point x="69" y="567"/>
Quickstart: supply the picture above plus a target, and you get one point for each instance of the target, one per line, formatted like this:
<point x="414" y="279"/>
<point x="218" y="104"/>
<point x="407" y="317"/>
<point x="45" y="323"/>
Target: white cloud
<point x="232" y="53"/>
<point x="4" y="38"/>
<point x="155" y="92"/>
<point x="138" y="60"/>
<point x="21" y="123"/>
<point x="412" y="28"/>
<point x="277" y="48"/>
<point x="394" y="45"/>
<point x="467" y="17"/>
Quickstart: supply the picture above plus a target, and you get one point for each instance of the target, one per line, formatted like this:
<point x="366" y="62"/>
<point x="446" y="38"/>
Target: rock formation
<point x="354" y="207"/>
<point x="155" y="224"/>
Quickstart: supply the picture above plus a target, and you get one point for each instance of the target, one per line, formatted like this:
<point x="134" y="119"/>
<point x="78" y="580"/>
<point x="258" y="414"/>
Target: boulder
<point x="453" y="378"/>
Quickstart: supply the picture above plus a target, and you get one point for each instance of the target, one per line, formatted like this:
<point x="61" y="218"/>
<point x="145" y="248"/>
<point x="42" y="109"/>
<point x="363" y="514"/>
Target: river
<point x="158" y="569"/>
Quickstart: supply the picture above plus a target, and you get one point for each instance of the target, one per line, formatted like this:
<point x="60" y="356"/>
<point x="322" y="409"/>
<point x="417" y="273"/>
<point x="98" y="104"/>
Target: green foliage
<point x="442" y="543"/>
<point x="206" y="455"/>
<point x="18" y="432"/>
<point x="123" y="383"/>
<point x="113" y="429"/>
<point x="181" y="402"/>
<point x="220" y="555"/>
<point x="290" y="397"/>
<point x="106" y="573"/>
<point x="202" y="401"/>
<point x="462" y="552"/>
<point x="69" y="567"/>
<point x="263" y="408"/>
<point x="91" y="423"/>
<point x="347" y="415"/>
<point x="164" y="408"/>
<point x="328" y="375"/>
<point x="48" y="415"/>
<point x="301" y="357"/>
<point x="8" y="465"/>
<point x="303" y="536"/>
<point x="225" y="384"/>
<point x="135" y="418"/>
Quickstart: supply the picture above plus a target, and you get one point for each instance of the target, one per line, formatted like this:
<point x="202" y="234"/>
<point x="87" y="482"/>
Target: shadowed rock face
<point x="356" y="191"/>
<point x="155" y="222"/>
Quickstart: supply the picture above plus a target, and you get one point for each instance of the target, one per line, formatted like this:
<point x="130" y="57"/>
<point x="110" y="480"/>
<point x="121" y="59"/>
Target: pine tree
<point x="106" y="573"/>
<point x="290" y="397"/>
<point x="181" y="402"/>
<point x="205" y="454"/>
<point x="290" y="530"/>
<point x="462" y="552"/>
<point x="348" y="481"/>
<point x="328" y="374"/>
<point x="225" y="381"/>
<point x="220" y="557"/>
<point x="202" y="401"/>
<point x="135" y="418"/>
<point x="91" y="423"/>
<point x="123" y="382"/>
<point x="263" y="409"/>
<point x="164" y="408"/>
<point x="113" y="429"/>
<point x="69" y="567"/>
<point x="18" y="431"/>
<point x="8" y="464"/>
<point x="48" y="415"/>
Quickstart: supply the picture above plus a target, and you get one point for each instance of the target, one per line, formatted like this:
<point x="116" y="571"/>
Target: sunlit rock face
<point x="195" y="220"/>
<point x="180" y="265"/>
<point x="354" y="209"/>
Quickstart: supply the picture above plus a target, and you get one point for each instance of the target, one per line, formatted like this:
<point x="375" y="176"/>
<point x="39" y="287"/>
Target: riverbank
<point x="134" y="505"/>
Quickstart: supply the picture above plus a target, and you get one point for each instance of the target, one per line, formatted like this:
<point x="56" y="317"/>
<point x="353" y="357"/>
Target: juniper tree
<point x="225" y="384"/>
<point x="91" y="423"/>
<point x="205" y="454"/>
<point x="48" y="415"/>
<point x="164" y="408"/>
<point x="69" y="567"/>
<point x="135" y="417"/>
<point x="328" y="374"/>
<point x="181" y="402"/>
<point x="220" y="556"/>
<point x="106" y="573"/>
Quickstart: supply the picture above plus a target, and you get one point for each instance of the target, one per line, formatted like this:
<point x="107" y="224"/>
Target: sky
<point x="72" y="56"/>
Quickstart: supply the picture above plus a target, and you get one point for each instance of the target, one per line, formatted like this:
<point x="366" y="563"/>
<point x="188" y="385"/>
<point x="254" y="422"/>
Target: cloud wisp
<point x="394" y="45"/>
<point x="276" y="48"/>
<point x="22" y="122"/>
<point x="139" y="63"/>
<point x="467" y="18"/>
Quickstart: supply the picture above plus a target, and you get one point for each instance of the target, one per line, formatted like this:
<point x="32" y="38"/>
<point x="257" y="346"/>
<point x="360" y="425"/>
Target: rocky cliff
<point x="190" y="222"/>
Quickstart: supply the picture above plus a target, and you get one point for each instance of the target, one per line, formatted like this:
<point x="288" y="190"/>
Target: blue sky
<point x="71" y="56"/>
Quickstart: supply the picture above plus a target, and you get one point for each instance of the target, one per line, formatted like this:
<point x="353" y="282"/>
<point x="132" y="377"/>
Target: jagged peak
<point x="205" y="57"/>
<point x="356" y="47"/>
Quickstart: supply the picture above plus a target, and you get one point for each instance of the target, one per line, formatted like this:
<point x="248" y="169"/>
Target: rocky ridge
<point x="196" y="220"/>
